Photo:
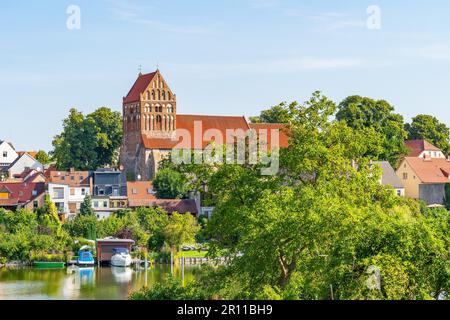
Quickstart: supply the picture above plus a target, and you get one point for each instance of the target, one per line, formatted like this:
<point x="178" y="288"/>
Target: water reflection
<point x="82" y="283"/>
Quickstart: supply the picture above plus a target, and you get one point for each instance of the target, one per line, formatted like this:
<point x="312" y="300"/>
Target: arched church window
<point x="159" y="94"/>
<point x="158" y="123"/>
<point x="164" y="95"/>
<point x="153" y="94"/>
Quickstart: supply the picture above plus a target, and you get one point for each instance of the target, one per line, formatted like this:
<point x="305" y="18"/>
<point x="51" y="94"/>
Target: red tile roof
<point x="282" y="131"/>
<point x="31" y="153"/>
<point x="73" y="179"/>
<point x="139" y="190"/>
<point x="416" y="147"/>
<point x="187" y="122"/>
<point x="170" y="206"/>
<point x="21" y="193"/>
<point x="142" y="82"/>
<point x="430" y="170"/>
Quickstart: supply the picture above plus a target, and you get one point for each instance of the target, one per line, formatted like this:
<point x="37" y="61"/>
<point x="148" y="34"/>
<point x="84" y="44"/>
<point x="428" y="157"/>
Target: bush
<point x="171" y="289"/>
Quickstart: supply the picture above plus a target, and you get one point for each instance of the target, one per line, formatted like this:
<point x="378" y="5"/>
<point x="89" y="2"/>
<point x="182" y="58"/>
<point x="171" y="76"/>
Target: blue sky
<point x="230" y="57"/>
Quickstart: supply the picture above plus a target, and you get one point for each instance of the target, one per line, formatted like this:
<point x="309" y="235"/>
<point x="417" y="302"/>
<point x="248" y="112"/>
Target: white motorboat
<point x="121" y="258"/>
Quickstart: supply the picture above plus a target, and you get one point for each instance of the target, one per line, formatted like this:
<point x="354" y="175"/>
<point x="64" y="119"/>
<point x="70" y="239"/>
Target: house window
<point x="81" y="178"/>
<point x="405" y="176"/>
<point x="105" y="204"/>
<point x="72" y="178"/>
<point x="150" y="191"/>
<point x="58" y="193"/>
<point x="399" y="192"/>
<point x="101" y="192"/>
<point x="5" y="154"/>
<point x="134" y="191"/>
<point x="72" y="191"/>
<point x="63" y="178"/>
<point x="83" y="192"/>
<point x="95" y="204"/>
<point x="35" y="205"/>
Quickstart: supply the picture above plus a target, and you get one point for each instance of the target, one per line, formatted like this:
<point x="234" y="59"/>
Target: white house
<point x="79" y="184"/>
<point x="25" y="162"/>
<point x="7" y="156"/>
<point x="59" y="194"/>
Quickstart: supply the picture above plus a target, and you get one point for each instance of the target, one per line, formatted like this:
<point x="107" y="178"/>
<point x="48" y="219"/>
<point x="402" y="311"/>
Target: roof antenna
<point x="140" y="70"/>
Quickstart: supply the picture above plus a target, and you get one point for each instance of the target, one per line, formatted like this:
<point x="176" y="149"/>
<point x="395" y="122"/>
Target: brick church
<point x="151" y="121"/>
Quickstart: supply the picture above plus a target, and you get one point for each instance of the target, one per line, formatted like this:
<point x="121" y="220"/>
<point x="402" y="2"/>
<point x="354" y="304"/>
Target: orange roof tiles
<point x="140" y="190"/>
<point x="430" y="170"/>
<point x="170" y="206"/>
<point x="142" y="82"/>
<point x="220" y="123"/>
<point x="416" y="147"/>
<point x="188" y="122"/>
<point x="282" y="129"/>
<point x="71" y="178"/>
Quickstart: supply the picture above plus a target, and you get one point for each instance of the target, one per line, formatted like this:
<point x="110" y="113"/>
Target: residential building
<point x="26" y="195"/>
<point x="109" y="192"/>
<point x="422" y="149"/>
<point x="24" y="163"/>
<point x="79" y="183"/>
<point x="140" y="190"/>
<point x="152" y="127"/>
<point x="7" y="156"/>
<point x="390" y="179"/>
<point x="425" y="178"/>
<point x="182" y="206"/>
<point x="59" y="195"/>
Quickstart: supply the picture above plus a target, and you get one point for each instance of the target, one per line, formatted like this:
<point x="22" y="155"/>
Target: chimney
<point x="72" y="170"/>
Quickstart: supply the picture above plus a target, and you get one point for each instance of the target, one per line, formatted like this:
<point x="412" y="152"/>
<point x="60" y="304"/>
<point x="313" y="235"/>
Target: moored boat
<point x="85" y="256"/>
<point x="121" y="258"/>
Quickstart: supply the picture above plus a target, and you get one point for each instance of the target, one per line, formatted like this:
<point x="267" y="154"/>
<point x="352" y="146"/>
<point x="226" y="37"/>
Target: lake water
<point x="73" y="283"/>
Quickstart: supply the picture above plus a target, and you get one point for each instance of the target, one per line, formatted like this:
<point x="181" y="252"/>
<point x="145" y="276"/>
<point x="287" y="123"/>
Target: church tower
<point x="149" y="114"/>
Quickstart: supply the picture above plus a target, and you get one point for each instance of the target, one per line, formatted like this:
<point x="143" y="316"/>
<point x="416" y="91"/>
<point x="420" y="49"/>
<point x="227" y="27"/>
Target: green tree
<point x="86" y="207"/>
<point x="43" y="157"/>
<point x="430" y="128"/>
<point x="170" y="184"/>
<point x="323" y="223"/>
<point x="88" y="142"/>
<point x="361" y="112"/>
<point x="180" y="229"/>
<point x="108" y="125"/>
<point x="75" y="146"/>
<point x="48" y="214"/>
<point x="281" y="113"/>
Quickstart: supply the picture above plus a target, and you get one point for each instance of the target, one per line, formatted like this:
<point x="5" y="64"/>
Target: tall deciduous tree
<point x="430" y="128"/>
<point x="88" y="142"/>
<point x="322" y="225"/>
<point x="281" y="113"/>
<point x="170" y="184"/>
<point x="361" y="112"/>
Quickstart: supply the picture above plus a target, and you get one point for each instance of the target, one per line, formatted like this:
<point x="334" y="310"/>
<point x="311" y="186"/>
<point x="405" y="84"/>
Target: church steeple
<point x="150" y="107"/>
